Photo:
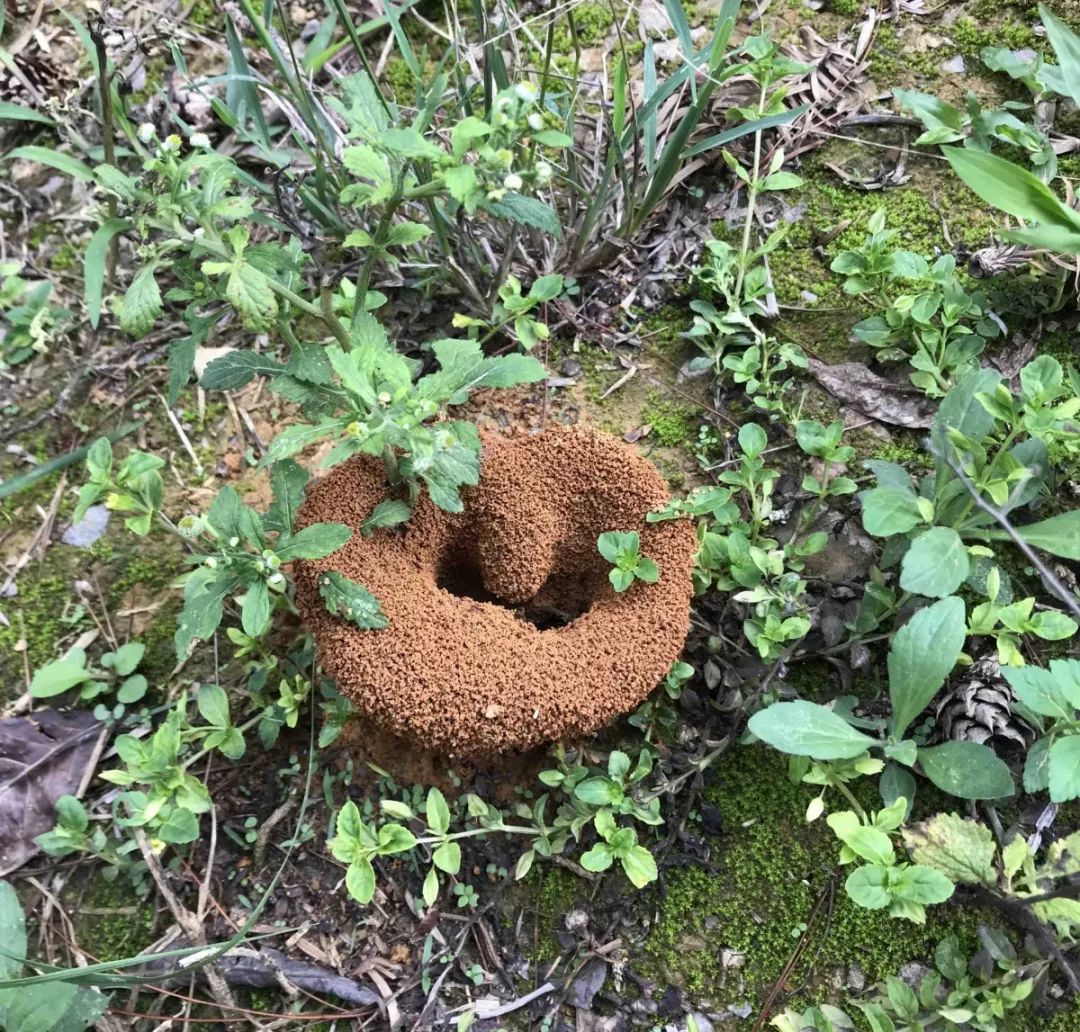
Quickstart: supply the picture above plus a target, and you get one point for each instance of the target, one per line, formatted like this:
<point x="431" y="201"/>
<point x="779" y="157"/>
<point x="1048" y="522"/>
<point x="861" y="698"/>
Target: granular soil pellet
<point x="504" y="631"/>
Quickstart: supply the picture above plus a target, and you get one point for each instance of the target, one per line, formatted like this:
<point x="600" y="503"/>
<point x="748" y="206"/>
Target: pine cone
<point x="979" y="709"/>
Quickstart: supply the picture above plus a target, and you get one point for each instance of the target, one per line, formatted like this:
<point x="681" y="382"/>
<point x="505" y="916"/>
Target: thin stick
<point x="1050" y="579"/>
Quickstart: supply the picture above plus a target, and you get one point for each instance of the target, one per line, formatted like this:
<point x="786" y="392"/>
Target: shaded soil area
<point x="504" y="629"/>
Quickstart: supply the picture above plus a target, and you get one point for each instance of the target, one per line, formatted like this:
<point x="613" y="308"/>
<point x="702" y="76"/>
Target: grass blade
<point x="10" y="112"/>
<point x="95" y="263"/>
<point x="744" y="129"/>
<point x="54" y="159"/>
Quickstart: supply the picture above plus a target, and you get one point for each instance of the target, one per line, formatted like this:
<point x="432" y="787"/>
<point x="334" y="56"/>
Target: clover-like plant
<point x="115" y="672"/>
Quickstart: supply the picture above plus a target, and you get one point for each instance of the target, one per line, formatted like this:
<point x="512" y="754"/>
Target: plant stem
<point x="847" y="794"/>
<point x="104" y="84"/>
<point x="751" y="198"/>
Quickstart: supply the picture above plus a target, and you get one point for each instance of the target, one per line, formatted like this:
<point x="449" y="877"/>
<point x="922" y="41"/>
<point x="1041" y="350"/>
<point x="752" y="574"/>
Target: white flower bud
<point x="146" y="132"/>
<point x="526" y="92"/>
<point x="513" y="182"/>
<point x="536" y="121"/>
<point x="190" y="526"/>
<point x="199" y="140"/>
<point x="543" y="171"/>
<point x="171" y="143"/>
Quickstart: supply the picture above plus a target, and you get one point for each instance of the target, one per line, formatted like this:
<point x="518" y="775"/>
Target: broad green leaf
<point x="447" y="857"/>
<point x="237" y="368"/>
<point x="394" y="838"/>
<point x="597" y="859"/>
<point x="868" y="843"/>
<point x="141" y="304"/>
<point x="409" y="143"/>
<point x="461" y="182"/>
<point x="1063" y="767"/>
<point x="639" y="865"/>
<point x="528" y="211"/>
<point x="1050" y="693"/>
<point x="402" y="234"/>
<point x="465" y="132"/>
<point x="351" y="601"/>
<point x="967" y="770"/>
<point x="181" y="826"/>
<point x="39" y="1008"/>
<point x="128" y="657"/>
<point x="868" y="886"/>
<point x="95" y="261"/>
<point x="752" y="440"/>
<point x="12" y="932"/>
<point x="388" y="513"/>
<point x="431" y="887"/>
<point x="890" y="510"/>
<point x="922" y="654"/>
<point x="598" y="792"/>
<point x="922" y="885"/>
<point x="807" y="729"/>
<point x="57" y="677"/>
<point x="314" y="542"/>
<point x="961" y="849"/>
<point x="360" y="880"/>
<point x="54" y="159"/>
<point x="437" y="812"/>
<point x="255" y="612"/>
<point x="935" y="564"/>
<point x="1059" y="535"/>
<point x="213" y="705"/>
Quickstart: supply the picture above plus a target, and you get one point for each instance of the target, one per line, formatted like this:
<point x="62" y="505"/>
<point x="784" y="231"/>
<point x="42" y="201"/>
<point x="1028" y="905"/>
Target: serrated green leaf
<point x="961" y="849"/>
<point x="248" y="290"/>
<point x="237" y="368"/>
<point x="141" y="304"/>
<point x="351" y="601"/>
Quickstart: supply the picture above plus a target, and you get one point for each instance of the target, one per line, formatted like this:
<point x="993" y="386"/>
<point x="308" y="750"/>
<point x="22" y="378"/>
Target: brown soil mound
<point x="504" y="630"/>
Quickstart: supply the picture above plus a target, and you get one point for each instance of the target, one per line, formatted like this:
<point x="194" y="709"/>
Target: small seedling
<point x="623" y="551"/>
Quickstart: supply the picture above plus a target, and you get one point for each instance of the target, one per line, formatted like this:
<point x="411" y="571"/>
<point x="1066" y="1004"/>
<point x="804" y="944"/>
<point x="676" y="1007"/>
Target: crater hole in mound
<point x="558" y="603"/>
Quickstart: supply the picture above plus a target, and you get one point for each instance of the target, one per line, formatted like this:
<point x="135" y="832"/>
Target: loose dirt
<point x="504" y="632"/>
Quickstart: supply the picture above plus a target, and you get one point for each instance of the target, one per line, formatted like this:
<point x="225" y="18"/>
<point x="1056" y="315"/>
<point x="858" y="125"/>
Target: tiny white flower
<point x="496" y="195"/>
<point x="525" y="92"/>
<point x="171" y="143"/>
<point x="199" y="140"/>
<point x="513" y="182"/>
<point x="146" y="132"/>
<point x="536" y="121"/>
<point x="384" y="398"/>
<point x="543" y="171"/>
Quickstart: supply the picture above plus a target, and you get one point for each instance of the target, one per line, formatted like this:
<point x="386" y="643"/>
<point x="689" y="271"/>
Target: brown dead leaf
<point x="873" y="395"/>
<point x="43" y="756"/>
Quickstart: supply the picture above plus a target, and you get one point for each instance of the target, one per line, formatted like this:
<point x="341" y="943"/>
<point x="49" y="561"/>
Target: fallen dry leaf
<point x="43" y="756"/>
<point x="873" y="395"/>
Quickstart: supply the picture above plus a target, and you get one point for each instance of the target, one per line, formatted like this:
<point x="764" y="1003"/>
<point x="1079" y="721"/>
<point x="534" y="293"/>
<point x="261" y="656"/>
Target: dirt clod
<point x="504" y="631"/>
